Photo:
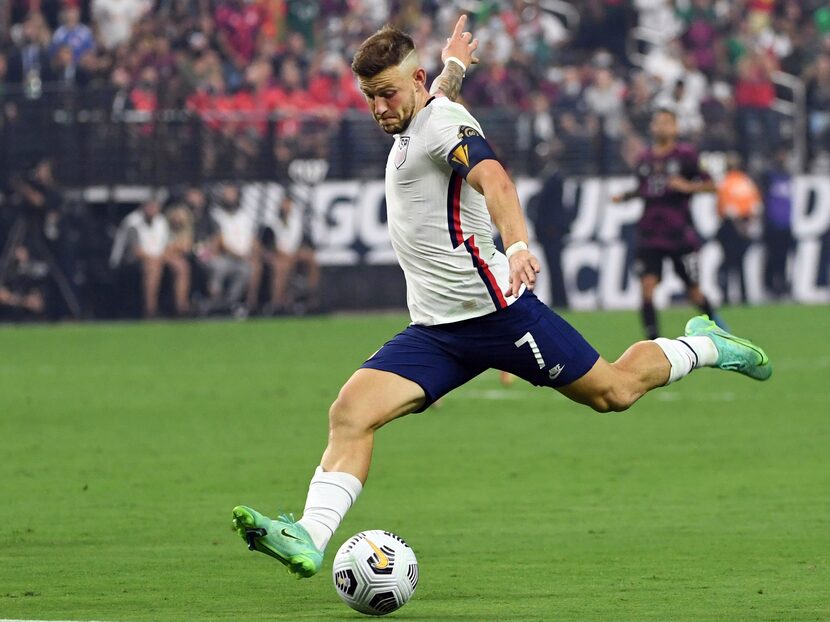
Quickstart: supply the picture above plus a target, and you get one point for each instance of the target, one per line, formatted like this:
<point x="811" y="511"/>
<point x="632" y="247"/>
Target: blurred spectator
<point x="739" y="207"/>
<point x="817" y="78"/>
<point x="754" y="96"/>
<point x="605" y="99"/>
<point x="552" y="219"/>
<point x="639" y="102"/>
<point x="22" y="286"/>
<point x="29" y="64"/>
<point x="701" y="35"/>
<point x="236" y="267"/>
<point x="238" y="24"/>
<point x="115" y="19"/>
<point x="778" y="237"/>
<point x="686" y="107"/>
<point x="498" y="85"/>
<point x="143" y="241"/>
<point x="285" y="236"/>
<point x="198" y="233"/>
<point x="72" y="33"/>
<point x="65" y="69"/>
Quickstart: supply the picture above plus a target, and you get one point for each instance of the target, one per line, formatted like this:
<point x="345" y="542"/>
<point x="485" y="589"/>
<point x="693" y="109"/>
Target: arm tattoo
<point x="449" y="82"/>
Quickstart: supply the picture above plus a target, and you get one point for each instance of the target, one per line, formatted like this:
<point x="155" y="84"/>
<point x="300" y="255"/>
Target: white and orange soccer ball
<point x="375" y="572"/>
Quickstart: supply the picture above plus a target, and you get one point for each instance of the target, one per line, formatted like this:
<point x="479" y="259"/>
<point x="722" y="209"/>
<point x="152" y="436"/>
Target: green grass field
<point x="124" y="448"/>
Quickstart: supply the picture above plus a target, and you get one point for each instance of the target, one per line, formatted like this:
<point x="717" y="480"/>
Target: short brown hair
<point x="386" y="48"/>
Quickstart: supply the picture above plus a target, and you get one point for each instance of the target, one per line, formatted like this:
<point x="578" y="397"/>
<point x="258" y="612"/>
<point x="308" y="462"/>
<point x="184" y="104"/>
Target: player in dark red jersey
<point x="668" y="174"/>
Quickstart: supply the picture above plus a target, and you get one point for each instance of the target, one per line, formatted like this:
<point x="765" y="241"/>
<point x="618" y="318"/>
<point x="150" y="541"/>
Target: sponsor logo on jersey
<point x="673" y="167"/>
<point x="400" y="156"/>
<point x="461" y="155"/>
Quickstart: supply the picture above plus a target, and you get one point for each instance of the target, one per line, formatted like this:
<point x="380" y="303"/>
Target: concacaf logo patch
<point x="465" y="131"/>
<point x="400" y="156"/>
<point x="461" y="155"/>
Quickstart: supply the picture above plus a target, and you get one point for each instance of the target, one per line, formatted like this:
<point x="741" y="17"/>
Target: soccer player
<point x="668" y="174"/>
<point x="472" y="307"/>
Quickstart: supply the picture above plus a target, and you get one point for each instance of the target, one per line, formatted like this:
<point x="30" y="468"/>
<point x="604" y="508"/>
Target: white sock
<point x="330" y="495"/>
<point x="686" y="354"/>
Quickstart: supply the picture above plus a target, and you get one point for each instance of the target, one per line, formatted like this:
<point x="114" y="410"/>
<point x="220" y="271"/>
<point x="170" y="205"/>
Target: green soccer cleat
<point x="282" y="539"/>
<point x="734" y="353"/>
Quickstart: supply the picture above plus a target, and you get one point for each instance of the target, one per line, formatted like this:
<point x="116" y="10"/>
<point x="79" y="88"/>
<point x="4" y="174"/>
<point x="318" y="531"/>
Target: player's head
<point x="386" y="66"/>
<point x="664" y="125"/>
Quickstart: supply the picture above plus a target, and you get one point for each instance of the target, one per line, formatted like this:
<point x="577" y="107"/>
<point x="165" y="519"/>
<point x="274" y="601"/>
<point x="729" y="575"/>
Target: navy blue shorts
<point x="526" y="339"/>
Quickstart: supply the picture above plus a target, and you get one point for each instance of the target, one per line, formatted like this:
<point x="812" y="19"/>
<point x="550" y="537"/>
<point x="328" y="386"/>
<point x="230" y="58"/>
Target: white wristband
<point x="453" y="59"/>
<point x="515" y="248"/>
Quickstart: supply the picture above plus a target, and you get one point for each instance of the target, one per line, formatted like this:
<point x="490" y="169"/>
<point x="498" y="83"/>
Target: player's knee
<point x="611" y="400"/>
<point x="347" y="417"/>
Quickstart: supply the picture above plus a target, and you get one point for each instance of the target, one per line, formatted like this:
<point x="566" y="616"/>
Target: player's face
<point x="391" y="98"/>
<point x="664" y="127"/>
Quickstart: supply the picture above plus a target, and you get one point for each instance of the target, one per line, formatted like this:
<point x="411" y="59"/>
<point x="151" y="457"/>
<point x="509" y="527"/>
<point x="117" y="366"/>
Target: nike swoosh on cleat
<point x="288" y="535"/>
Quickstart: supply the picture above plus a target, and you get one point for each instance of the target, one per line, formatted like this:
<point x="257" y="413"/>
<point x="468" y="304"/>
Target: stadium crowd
<point x="575" y="74"/>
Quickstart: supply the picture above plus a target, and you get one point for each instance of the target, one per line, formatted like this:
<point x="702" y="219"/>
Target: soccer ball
<point x="375" y="572"/>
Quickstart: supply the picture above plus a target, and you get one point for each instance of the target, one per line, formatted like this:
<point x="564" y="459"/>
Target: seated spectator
<point x="291" y="250"/>
<point x="236" y="267"/>
<point x="143" y="241"/>
<point x="22" y="290"/>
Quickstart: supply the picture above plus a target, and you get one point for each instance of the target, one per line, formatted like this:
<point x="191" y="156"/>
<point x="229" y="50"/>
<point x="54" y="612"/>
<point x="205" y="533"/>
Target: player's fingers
<point x="474" y="60"/>
<point x="466" y="36"/>
<point x="459" y="26"/>
<point x="535" y="264"/>
<point x="529" y="276"/>
<point x="473" y="45"/>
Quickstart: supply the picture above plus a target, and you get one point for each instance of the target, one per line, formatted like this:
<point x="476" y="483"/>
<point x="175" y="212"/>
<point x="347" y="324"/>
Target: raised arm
<point x="457" y="56"/>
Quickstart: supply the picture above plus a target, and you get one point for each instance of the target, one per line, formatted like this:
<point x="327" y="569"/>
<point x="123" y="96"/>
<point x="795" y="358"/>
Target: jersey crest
<point x="400" y="155"/>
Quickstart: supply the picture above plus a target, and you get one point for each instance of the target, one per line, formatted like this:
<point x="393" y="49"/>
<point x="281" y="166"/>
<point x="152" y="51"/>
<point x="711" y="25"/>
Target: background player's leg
<point x="648" y="314"/>
<point x="688" y="269"/>
<point x="368" y="400"/>
<point x="698" y="299"/>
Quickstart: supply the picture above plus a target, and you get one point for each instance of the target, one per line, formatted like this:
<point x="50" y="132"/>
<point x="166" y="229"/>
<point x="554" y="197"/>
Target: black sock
<point x="706" y="307"/>
<point x="649" y="318"/>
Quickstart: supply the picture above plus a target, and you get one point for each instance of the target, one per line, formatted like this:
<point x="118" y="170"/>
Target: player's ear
<point x="420" y="76"/>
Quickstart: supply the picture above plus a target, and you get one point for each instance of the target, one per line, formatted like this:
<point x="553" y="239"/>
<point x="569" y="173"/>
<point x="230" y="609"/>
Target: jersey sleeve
<point x="455" y="137"/>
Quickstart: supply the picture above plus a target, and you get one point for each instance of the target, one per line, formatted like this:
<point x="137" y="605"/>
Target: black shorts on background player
<point x="685" y="264"/>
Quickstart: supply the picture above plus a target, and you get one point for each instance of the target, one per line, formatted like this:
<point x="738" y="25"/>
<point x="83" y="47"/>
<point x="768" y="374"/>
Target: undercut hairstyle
<point x="388" y="47"/>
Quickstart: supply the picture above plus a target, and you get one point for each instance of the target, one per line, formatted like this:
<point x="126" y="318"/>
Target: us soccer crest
<point x="400" y="156"/>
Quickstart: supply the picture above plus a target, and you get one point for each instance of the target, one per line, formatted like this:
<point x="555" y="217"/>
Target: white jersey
<point x="439" y="225"/>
